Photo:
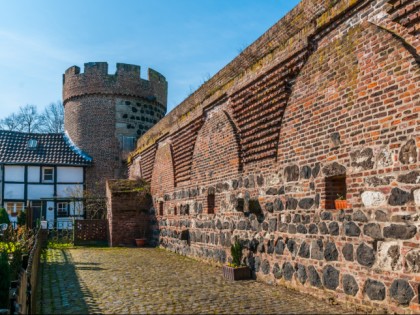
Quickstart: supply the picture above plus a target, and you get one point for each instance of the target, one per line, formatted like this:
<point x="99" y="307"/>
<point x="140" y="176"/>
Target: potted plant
<point x="142" y="240"/>
<point x="235" y="270"/>
<point x="340" y="202"/>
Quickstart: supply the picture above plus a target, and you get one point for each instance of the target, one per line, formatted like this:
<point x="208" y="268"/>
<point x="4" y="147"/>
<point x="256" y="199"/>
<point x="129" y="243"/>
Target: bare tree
<point x="30" y="118"/>
<point x="11" y="122"/>
<point x="27" y="119"/>
<point x="52" y="119"/>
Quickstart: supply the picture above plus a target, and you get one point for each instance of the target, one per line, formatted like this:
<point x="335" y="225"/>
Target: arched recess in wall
<point x="348" y="96"/>
<point x="216" y="150"/>
<point x="163" y="171"/>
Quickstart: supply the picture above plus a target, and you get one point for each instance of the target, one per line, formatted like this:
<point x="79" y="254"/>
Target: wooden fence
<point x="90" y="232"/>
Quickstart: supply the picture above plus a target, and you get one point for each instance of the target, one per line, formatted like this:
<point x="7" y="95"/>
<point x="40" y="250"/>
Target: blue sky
<point x="185" y="40"/>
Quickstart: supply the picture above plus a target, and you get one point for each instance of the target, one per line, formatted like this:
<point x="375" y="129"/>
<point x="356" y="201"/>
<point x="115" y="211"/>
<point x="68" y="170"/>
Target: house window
<point x="161" y="208"/>
<point x="211" y="203"/>
<point x="14" y="208"/>
<point x="62" y="209"/>
<point x="335" y="188"/>
<point x="48" y="174"/>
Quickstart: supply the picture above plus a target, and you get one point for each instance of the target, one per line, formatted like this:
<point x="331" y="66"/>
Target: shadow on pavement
<point x="60" y="290"/>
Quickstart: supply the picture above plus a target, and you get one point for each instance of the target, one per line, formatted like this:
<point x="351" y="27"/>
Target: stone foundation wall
<point x="260" y="153"/>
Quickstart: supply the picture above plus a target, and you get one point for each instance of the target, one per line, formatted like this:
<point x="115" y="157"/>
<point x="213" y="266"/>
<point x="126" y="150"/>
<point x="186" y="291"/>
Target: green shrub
<point x="4" y="217"/>
<point x="236" y="252"/>
<point x="4" y="280"/>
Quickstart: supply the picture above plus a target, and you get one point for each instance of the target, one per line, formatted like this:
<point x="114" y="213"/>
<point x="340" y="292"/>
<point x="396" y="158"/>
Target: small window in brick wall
<point x="211" y="203"/>
<point x="160" y="207"/>
<point x="335" y="188"/>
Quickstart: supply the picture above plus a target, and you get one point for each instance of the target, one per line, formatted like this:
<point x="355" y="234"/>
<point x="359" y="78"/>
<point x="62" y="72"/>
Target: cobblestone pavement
<point x="146" y="280"/>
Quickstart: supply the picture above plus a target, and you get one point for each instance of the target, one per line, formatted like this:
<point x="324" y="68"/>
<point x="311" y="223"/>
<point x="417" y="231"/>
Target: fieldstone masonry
<point x="325" y="103"/>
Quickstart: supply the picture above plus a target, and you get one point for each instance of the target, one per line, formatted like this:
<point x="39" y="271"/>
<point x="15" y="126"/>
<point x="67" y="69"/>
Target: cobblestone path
<point x="146" y="280"/>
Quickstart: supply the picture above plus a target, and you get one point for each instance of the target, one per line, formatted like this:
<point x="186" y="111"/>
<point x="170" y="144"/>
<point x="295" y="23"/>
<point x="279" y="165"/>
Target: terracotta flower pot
<point x="140" y="242"/>
<point x="340" y="204"/>
<point x="239" y="273"/>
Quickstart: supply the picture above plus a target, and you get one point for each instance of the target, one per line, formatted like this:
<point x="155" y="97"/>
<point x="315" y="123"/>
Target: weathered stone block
<point x="277" y="272"/>
<point x="381" y="216"/>
<point x="265" y="267"/>
<point x="292" y="229"/>
<point x="348" y="252"/>
<point x="410" y="178"/>
<point x="304" y="250"/>
<point x="313" y="229"/>
<point x="301" y="229"/>
<point x="401" y="291"/>
<point x="400" y="231"/>
<point x="373" y="230"/>
<point x="334" y="228"/>
<point x="270" y="247"/>
<point x="373" y="198"/>
<point x="362" y="159"/>
<point x="365" y="255"/>
<point x="350" y="285"/>
<point x="399" y="197"/>
<point x="288" y="271"/>
<point x="330" y="252"/>
<point x="305" y="172"/>
<point x="306" y="203"/>
<point x="375" y="290"/>
<point x="412" y="261"/>
<point x="334" y="169"/>
<point x="326" y="216"/>
<point x="359" y="216"/>
<point x="269" y="206"/>
<point x="316" y="169"/>
<point x="314" y="278"/>
<point x="279" y="248"/>
<point x="301" y="273"/>
<point x="416" y="197"/>
<point x="271" y="191"/>
<point x="317" y="250"/>
<point x="291" y="203"/>
<point x="408" y="152"/>
<point x="278" y="205"/>
<point x="323" y="228"/>
<point x="330" y="277"/>
<point x="376" y="181"/>
<point x="292" y="247"/>
<point x="291" y="173"/>
<point x="351" y="229"/>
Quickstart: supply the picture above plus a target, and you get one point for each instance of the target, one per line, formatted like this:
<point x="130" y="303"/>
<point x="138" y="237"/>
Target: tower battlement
<point x="95" y="79"/>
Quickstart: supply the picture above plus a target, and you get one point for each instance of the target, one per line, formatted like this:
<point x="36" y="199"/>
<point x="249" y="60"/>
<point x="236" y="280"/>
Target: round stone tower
<point x="104" y="114"/>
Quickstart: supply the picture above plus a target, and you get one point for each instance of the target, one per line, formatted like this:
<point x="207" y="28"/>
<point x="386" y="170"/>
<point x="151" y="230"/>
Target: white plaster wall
<point x="34" y="174"/>
<point x="76" y="208"/>
<point x="14" y="191"/>
<point x="13" y="173"/>
<point x="40" y="191"/>
<point x="68" y="190"/>
<point x="69" y="174"/>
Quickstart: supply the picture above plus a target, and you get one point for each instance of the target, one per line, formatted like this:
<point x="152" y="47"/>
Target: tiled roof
<point x="50" y="148"/>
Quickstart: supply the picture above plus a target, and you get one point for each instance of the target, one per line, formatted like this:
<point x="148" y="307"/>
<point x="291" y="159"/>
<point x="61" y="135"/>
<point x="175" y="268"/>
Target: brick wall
<point x="325" y="103"/>
<point x="128" y="212"/>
